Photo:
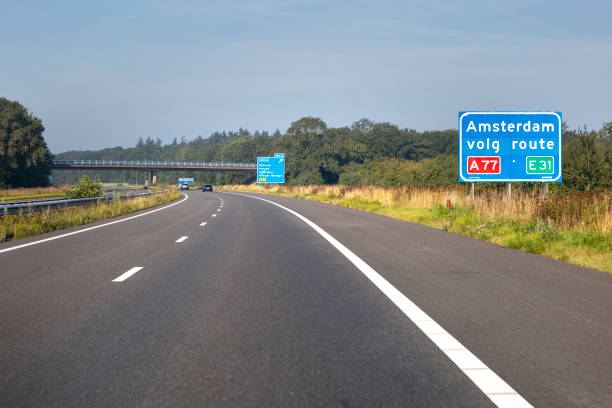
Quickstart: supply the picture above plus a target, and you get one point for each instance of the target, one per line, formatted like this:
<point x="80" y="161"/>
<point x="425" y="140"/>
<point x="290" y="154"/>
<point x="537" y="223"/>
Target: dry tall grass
<point x="589" y="212"/>
<point x="22" y="192"/>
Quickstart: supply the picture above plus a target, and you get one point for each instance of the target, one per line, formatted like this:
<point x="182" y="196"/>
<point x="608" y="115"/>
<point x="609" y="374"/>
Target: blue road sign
<point x="510" y="146"/>
<point x="271" y="169"/>
<point x="186" y="180"/>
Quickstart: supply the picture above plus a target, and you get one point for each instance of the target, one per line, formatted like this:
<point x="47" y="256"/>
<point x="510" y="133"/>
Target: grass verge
<point x="575" y="229"/>
<point x="28" y="193"/>
<point x="22" y="225"/>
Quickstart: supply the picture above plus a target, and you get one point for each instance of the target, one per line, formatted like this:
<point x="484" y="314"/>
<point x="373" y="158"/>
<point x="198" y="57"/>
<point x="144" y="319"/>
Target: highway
<point x="230" y="300"/>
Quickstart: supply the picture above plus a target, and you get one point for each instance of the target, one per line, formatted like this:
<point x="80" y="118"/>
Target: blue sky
<point x="102" y="74"/>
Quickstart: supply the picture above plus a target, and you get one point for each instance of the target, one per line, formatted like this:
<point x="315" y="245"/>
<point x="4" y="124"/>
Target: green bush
<point x="515" y="241"/>
<point x="535" y="244"/>
<point x="86" y="188"/>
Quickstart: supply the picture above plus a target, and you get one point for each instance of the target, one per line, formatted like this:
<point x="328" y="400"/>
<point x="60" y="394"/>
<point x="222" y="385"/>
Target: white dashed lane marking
<point x="127" y="274"/>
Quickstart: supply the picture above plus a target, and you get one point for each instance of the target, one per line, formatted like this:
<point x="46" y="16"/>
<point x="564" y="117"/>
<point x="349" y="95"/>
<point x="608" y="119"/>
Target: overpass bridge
<point x="151" y="166"/>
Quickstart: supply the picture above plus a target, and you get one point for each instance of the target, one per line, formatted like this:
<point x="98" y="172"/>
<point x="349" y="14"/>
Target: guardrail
<point x="8" y="209"/>
<point x="151" y="163"/>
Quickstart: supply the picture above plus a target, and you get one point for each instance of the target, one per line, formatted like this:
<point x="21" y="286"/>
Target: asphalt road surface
<point x="225" y="300"/>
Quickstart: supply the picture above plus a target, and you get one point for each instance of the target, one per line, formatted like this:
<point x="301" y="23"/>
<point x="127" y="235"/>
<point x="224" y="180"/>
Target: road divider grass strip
<point x="87" y="229"/>
<point x="493" y="386"/>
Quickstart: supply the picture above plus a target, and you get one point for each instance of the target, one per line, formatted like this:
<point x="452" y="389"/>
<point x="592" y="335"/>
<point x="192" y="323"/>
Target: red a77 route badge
<point x="483" y="164"/>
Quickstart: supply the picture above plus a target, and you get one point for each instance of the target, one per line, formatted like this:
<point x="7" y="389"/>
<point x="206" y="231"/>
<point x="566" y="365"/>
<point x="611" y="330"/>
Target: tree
<point x="585" y="167"/>
<point x="606" y="131"/>
<point x="363" y="125"/>
<point x="24" y="156"/>
<point x="605" y="135"/>
<point x="86" y="188"/>
<point x="307" y="125"/>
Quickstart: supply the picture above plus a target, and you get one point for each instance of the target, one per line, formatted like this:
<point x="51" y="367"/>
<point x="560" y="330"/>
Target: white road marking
<point x="498" y="391"/>
<point x="214" y="215"/>
<point x="127" y="274"/>
<point x="90" y="228"/>
<point x="218" y="209"/>
<point x="203" y="224"/>
<point x="181" y="239"/>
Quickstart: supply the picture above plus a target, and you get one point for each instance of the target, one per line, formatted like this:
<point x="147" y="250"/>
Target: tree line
<point x="315" y="153"/>
<point x="366" y="152"/>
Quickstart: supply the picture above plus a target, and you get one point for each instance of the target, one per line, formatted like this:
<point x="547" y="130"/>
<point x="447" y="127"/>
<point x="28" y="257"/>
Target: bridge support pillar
<point x="152" y="177"/>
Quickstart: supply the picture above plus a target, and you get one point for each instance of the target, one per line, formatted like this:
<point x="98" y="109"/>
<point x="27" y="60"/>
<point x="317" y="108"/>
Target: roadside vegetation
<point x="573" y="227"/>
<point x="35" y="192"/>
<point x="86" y="188"/>
<point x="25" y="224"/>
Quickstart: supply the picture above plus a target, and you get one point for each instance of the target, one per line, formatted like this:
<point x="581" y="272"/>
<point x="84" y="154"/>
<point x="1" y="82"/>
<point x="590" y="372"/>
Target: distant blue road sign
<point x="271" y="169"/>
<point x="510" y="146"/>
<point x="186" y="180"/>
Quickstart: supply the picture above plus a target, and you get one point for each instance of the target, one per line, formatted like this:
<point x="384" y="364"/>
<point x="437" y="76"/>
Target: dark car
<point x="207" y="187"/>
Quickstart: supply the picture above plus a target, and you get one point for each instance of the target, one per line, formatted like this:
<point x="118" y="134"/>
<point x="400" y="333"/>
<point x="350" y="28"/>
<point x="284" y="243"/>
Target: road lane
<point x="543" y="325"/>
<point x="500" y="392"/>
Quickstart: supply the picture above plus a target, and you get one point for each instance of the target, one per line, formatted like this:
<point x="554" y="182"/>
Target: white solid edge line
<point x="91" y="228"/>
<point x="203" y="224"/>
<point x="482" y="376"/>
<point x="181" y="239"/>
<point x="127" y="274"/>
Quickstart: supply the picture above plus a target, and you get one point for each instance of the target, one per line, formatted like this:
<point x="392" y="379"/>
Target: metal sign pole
<point x="544" y="190"/>
<point x="472" y="192"/>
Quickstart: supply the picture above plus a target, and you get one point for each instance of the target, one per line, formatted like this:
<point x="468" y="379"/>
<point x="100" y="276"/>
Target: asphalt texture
<point x="256" y="309"/>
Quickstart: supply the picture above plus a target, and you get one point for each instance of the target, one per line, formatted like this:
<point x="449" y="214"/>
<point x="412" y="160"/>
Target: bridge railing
<point x="151" y="163"/>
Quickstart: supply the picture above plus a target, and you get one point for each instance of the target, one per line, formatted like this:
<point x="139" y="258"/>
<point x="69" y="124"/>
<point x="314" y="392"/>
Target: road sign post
<point x="271" y="169"/>
<point x="510" y="147"/>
